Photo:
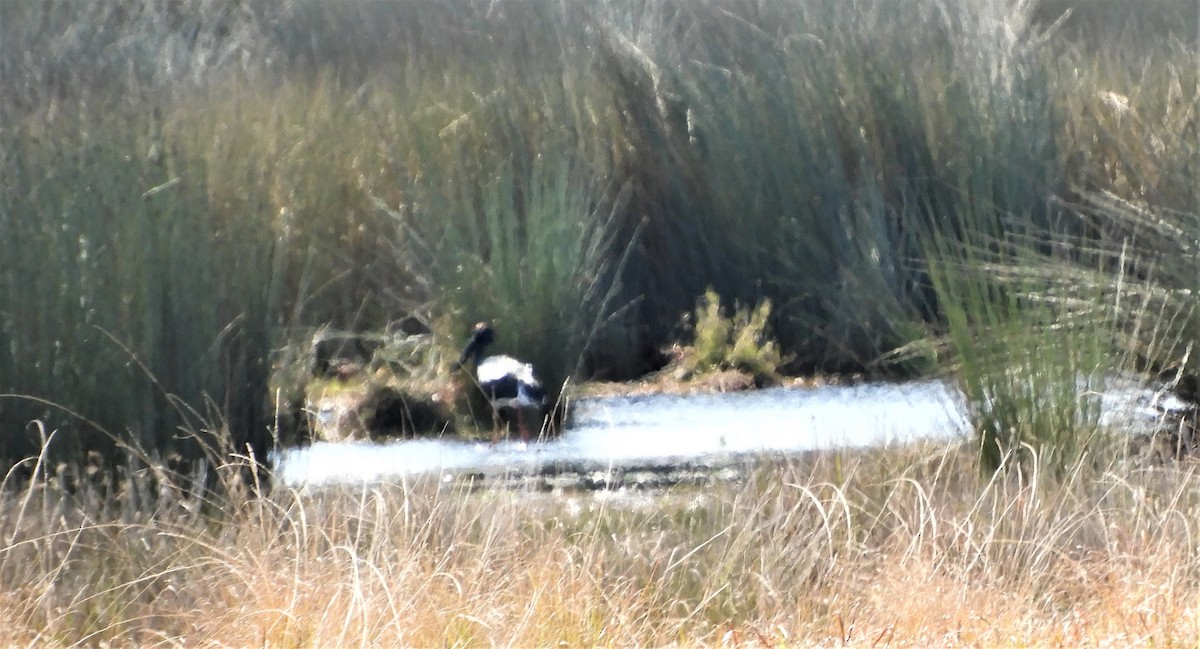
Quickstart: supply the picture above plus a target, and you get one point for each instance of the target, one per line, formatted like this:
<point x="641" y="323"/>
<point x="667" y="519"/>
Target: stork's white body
<point x="506" y="381"/>
<point x="496" y="368"/>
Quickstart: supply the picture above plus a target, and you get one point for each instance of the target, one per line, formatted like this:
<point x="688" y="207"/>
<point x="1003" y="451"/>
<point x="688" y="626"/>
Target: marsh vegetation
<point x="999" y="192"/>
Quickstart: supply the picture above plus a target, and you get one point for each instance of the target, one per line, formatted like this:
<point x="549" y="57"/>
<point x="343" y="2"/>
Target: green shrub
<point x="737" y="341"/>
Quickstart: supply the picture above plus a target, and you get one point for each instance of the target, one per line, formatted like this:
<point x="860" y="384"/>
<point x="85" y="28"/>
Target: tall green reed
<point x="118" y="318"/>
<point x="1033" y="351"/>
<point x="818" y="141"/>
<point x="1136" y="154"/>
<point x="529" y="242"/>
<point x="118" y="328"/>
<point x="1032" y="303"/>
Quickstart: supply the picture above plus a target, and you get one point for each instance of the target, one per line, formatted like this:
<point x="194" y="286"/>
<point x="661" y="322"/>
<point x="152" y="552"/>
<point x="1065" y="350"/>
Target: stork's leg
<point x="521" y="424"/>
<point x="495" y="426"/>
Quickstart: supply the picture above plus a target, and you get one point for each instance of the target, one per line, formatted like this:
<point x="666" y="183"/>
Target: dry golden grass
<point x="898" y="547"/>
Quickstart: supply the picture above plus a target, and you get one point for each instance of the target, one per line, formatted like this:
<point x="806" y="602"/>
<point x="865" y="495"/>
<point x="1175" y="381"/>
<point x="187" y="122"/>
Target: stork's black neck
<point x="482" y="336"/>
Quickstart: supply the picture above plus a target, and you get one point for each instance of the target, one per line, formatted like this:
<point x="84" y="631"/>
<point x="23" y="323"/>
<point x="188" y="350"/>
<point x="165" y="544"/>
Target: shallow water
<point x="659" y="430"/>
<point x="660" y="433"/>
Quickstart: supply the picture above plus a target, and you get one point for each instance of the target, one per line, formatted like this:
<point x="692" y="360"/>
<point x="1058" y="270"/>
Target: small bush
<point x="737" y="341"/>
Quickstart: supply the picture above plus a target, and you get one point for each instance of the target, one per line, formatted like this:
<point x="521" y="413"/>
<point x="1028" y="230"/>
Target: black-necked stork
<point x="504" y="380"/>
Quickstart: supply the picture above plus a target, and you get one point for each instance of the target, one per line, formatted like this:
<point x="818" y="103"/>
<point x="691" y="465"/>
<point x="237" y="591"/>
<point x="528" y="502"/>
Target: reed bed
<point x="888" y="547"/>
<point x="190" y="187"/>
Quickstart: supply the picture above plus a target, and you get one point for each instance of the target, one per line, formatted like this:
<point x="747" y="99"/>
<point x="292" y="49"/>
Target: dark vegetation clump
<point x="389" y="413"/>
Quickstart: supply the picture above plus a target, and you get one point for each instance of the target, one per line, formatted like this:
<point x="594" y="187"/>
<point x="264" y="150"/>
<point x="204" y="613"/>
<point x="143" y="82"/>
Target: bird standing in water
<point x="504" y="380"/>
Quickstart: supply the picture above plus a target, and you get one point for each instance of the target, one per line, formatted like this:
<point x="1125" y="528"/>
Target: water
<point x="659" y="430"/>
<point x="654" y="432"/>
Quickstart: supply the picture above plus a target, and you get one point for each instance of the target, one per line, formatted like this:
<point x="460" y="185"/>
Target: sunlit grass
<point x="903" y="544"/>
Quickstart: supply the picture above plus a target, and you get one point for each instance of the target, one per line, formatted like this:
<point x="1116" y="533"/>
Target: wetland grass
<point x="185" y="193"/>
<point x="903" y="546"/>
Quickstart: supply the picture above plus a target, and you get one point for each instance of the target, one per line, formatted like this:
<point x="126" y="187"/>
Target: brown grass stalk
<point x="893" y="547"/>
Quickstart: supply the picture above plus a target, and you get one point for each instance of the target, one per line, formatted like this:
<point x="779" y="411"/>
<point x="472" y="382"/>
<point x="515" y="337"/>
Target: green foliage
<point x="530" y="249"/>
<point x="712" y="333"/>
<point x="1031" y="367"/>
<point x="130" y="308"/>
<point x="738" y="341"/>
